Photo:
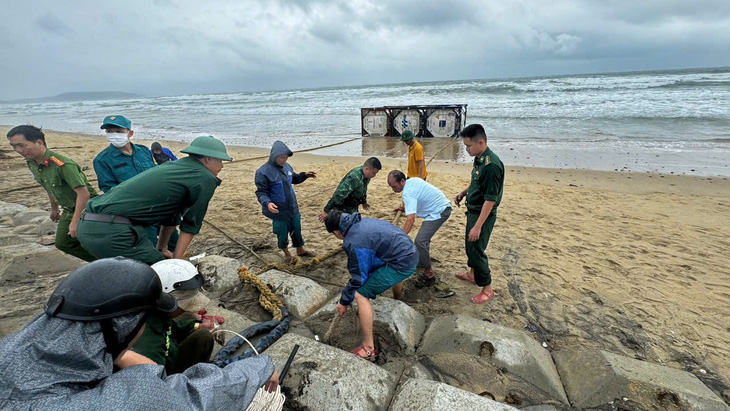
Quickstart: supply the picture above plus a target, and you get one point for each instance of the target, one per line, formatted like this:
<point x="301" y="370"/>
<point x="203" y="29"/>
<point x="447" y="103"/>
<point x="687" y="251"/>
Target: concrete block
<point x="10" y="239"/>
<point x="47" y="227"/>
<point x="10" y="209"/>
<point x="26" y="261"/>
<point x="300" y="295"/>
<point x="418" y="394"/>
<point x="322" y="377"/>
<point x="512" y="350"/>
<point x="29" y="216"/>
<point x="402" y="324"/>
<point x="221" y="273"/>
<point x="595" y="378"/>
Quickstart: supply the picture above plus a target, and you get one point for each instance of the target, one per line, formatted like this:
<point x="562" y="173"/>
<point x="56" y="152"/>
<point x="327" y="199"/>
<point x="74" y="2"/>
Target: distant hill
<point x="77" y="96"/>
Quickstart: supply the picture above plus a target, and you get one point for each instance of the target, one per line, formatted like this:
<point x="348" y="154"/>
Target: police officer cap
<point x="208" y="146"/>
<point x="109" y="288"/>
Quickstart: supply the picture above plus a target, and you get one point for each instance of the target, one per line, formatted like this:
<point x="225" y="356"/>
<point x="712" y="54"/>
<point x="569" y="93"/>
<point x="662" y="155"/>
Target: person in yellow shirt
<point x="416" y="156"/>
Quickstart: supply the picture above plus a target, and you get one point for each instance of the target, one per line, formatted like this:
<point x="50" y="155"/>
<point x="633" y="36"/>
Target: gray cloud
<point x="165" y="47"/>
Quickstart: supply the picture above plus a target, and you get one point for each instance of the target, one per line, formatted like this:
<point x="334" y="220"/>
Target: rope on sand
<point x="333" y="325"/>
<point x="244" y="246"/>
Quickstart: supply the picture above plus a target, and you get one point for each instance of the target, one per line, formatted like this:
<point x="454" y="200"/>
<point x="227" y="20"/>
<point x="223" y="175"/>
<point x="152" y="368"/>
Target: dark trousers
<point x="476" y="250"/>
<point x="192" y="350"/>
<point x="68" y="244"/>
<point x="423" y="238"/>
<point x="110" y="240"/>
<point x="283" y="229"/>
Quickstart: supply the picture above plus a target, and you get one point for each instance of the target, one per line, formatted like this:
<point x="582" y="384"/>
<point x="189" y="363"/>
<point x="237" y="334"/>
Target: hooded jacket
<point x="274" y="185"/>
<point x="57" y="364"/>
<point x="370" y="244"/>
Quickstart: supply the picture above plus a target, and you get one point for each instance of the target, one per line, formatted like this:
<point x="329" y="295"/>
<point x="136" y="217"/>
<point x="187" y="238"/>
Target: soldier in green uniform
<point x="175" y="193"/>
<point x="482" y="199"/>
<point x="62" y="179"/>
<point x="353" y="189"/>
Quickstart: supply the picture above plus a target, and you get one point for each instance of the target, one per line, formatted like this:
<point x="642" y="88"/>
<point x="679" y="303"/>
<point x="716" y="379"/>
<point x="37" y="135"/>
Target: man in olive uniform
<point x="482" y="199"/>
<point x="353" y="189"/>
<point x="174" y="194"/>
<point x="62" y="179"/>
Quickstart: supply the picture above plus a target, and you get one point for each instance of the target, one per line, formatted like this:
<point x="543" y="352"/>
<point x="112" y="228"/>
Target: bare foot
<point x="482" y="298"/>
<point x="466" y="277"/>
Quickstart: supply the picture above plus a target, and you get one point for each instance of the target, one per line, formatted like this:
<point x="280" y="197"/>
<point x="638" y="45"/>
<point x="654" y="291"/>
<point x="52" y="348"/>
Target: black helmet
<point x="109" y="288"/>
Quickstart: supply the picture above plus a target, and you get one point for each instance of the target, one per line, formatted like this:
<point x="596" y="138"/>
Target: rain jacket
<point x="57" y="364"/>
<point x="274" y="185"/>
<point x="370" y="244"/>
<point x="350" y="192"/>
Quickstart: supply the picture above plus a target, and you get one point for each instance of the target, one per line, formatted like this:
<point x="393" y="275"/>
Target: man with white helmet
<point x="178" y="340"/>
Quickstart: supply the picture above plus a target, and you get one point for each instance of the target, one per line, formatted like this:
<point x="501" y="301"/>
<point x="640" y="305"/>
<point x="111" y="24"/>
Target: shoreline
<point x="642" y="182"/>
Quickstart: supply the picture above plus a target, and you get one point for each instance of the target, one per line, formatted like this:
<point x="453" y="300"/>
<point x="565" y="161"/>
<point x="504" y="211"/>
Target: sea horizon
<point x="668" y="121"/>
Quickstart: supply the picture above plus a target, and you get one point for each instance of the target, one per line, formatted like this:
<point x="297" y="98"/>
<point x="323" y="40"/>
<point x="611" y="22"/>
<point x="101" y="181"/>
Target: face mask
<point x="118" y="140"/>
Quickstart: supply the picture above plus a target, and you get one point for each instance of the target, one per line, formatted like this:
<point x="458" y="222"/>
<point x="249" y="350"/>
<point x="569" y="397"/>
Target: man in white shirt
<point x="421" y="199"/>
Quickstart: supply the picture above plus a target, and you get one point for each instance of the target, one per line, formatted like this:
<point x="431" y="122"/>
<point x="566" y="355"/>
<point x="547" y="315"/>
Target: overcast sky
<point x="180" y="47"/>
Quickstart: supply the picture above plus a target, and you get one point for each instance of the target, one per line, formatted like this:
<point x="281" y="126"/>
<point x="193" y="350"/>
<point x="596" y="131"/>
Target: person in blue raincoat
<point x="275" y="193"/>
<point x="380" y="256"/>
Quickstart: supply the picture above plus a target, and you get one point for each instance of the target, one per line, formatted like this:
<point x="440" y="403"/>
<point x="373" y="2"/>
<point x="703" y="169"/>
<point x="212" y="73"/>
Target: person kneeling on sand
<point x="278" y="202"/>
<point x="180" y="339"/>
<point x="380" y="256"/>
<point x="65" y="358"/>
<point x="421" y="199"/>
<point x="482" y="199"/>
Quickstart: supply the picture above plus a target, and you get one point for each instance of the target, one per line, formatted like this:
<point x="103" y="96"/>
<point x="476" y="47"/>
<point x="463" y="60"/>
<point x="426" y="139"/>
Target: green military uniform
<point x="350" y="193"/>
<point x="174" y="193"/>
<point x="59" y="175"/>
<point x="174" y="343"/>
<point x="487" y="183"/>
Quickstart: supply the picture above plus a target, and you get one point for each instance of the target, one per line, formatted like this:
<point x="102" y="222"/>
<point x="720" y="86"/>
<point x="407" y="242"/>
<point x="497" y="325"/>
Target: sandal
<point x="307" y="254"/>
<point x="478" y="299"/>
<point x="446" y="293"/>
<point x="363" y="353"/>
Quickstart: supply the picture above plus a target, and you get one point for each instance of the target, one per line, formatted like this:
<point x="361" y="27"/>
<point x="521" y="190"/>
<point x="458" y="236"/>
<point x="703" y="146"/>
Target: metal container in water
<point x="424" y="121"/>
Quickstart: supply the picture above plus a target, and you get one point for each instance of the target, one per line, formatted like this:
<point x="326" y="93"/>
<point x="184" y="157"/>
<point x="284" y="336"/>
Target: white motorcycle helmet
<point x="178" y="275"/>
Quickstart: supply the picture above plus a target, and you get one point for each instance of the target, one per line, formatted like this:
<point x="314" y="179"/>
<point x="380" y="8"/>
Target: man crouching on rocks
<point x="379" y="256"/>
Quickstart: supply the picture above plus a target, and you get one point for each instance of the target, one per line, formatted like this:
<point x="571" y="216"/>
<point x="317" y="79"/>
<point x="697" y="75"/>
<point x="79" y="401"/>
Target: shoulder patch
<point x="487" y="160"/>
<point x="57" y="161"/>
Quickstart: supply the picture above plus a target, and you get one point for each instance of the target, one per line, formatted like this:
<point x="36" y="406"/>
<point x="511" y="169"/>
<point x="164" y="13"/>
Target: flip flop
<point x="465" y="277"/>
<point x="488" y="298"/>
<point x="363" y="353"/>
<point x="307" y="254"/>
<point x="291" y="260"/>
<point x="444" y="293"/>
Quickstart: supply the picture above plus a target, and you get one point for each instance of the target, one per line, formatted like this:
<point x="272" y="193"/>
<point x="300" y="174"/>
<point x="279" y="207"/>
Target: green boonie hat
<point x="116" y="121"/>
<point x="207" y="146"/>
<point x="407" y="135"/>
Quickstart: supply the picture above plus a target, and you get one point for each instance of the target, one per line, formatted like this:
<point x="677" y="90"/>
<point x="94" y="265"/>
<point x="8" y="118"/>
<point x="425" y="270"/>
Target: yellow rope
<point x="267" y="299"/>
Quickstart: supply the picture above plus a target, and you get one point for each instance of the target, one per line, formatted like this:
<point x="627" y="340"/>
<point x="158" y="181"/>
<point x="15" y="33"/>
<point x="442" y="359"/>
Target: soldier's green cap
<point x="116" y="121"/>
<point x="208" y="146"/>
<point x="407" y="135"/>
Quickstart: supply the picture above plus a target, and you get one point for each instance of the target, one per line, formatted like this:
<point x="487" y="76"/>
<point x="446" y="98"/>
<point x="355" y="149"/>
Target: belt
<point x="105" y="218"/>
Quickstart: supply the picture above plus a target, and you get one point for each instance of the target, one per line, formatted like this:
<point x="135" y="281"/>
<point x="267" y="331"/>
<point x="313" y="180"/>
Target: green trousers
<point x="476" y="250"/>
<point x="283" y="229"/>
<point x="68" y="244"/>
<point x="111" y="240"/>
<point x="196" y="348"/>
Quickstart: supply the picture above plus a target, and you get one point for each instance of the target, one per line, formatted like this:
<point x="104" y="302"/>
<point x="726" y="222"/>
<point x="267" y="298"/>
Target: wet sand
<point x="633" y="263"/>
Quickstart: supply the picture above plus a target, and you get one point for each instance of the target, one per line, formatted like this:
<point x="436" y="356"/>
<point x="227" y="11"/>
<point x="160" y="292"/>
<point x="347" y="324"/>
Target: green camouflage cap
<point x="207" y="146"/>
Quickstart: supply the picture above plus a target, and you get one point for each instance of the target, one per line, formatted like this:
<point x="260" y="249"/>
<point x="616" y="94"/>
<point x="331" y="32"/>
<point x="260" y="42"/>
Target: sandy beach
<point x="633" y="263"/>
